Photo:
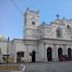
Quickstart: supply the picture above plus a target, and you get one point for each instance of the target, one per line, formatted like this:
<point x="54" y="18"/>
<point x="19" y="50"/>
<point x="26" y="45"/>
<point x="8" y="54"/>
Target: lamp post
<point x="7" y="48"/>
<point x="7" y="53"/>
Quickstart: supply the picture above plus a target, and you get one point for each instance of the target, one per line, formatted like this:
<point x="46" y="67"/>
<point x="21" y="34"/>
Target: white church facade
<point x="41" y="42"/>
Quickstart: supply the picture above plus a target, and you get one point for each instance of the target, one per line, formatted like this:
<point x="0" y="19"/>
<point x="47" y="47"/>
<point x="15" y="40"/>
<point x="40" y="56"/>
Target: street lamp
<point x="7" y="48"/>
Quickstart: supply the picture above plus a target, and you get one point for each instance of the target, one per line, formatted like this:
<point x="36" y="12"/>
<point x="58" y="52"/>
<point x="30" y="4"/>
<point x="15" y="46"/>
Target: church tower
<point x="31" y="24"/>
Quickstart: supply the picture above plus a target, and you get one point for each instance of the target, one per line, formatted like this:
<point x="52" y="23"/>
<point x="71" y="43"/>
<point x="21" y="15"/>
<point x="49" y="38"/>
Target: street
<point x="49" y="67"/>
<point x="46" y="67"/>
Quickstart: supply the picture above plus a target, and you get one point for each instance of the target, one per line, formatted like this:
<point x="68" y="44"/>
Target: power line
<point x="16" y="7"/>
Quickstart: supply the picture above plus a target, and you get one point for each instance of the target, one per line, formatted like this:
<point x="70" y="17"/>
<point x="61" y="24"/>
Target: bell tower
<point x="31" y="23"/>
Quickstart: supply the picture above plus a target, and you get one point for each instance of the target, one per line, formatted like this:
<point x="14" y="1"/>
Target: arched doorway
<point x="33" y="56"/>
<point x="20" y="54"/>
<point x="49" y="54"/>
<point x="69" y="53"/>
<point x="59" y="53"/>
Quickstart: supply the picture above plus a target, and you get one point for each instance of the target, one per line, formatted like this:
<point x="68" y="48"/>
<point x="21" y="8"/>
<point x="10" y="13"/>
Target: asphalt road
<point x="47" y="67"/>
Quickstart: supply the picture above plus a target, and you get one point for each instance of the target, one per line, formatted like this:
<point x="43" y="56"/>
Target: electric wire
<point x="15" y="5"/>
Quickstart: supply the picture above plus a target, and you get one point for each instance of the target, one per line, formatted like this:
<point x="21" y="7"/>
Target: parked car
<point x="63" y="58"/>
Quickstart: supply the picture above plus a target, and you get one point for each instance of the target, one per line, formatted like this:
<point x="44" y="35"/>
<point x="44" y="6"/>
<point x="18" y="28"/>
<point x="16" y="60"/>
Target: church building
<point x="41" y="42"/>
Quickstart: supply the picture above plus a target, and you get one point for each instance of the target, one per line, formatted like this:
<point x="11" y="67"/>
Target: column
<point x="55" y="53"/>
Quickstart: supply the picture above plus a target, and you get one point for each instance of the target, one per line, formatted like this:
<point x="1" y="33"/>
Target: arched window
<point x="69" y="28"/>
<point x="49" y="54"/>
<point x="69" y="53"/>
<point x="33" y="21"/>
<point x="60" y="53"/>
<point x="59" y="32"/>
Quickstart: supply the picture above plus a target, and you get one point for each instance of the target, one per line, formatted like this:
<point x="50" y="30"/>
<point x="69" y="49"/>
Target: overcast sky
<point x="11" y="14"/>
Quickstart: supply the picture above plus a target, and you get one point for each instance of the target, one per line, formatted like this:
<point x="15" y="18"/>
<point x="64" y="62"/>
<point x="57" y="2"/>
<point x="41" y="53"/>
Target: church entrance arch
<point x="20" y="54"/>
<point x="69" y="53"/>
<point x="33" y="56"/>
<point x="59" y="53"/>
<point x="49" y="54"/>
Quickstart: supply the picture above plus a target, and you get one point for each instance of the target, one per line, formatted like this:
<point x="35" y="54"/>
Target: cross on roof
<point x="57" y="16"/>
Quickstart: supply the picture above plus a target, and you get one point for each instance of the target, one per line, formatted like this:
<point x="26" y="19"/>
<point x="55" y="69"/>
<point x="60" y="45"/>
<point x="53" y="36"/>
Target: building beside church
<point x="41" y="42"/>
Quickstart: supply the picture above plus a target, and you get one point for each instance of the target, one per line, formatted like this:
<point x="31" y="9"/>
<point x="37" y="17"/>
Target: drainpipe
<point x="44" y="51"/>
